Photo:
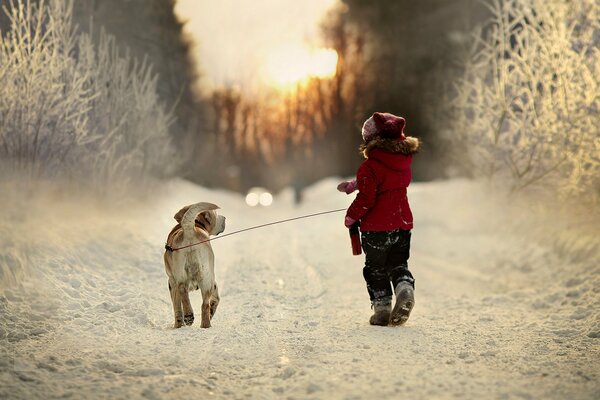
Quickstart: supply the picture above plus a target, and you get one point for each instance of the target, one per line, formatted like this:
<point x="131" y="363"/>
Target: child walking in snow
<point x="382" y="208"/>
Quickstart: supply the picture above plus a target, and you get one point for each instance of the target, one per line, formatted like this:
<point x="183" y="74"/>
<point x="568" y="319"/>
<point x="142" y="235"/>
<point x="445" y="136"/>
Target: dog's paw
<point x="178" y="324"/>
<point x="188" y="319"/>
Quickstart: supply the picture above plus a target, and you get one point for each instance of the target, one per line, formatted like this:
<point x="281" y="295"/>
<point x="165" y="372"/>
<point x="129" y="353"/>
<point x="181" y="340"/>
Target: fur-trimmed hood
<point x="409" y="146"/>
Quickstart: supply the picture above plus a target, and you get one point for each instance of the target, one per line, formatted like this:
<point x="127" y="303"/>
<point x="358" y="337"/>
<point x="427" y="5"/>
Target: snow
<point x="506" y="306"/>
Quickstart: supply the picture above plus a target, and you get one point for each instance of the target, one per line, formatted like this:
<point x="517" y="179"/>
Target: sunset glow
<point x="290" y="66"/>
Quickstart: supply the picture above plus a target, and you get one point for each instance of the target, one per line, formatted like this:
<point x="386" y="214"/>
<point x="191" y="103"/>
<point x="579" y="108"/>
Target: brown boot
<point x="405" y="301"/>
<point x="381" y="314"/>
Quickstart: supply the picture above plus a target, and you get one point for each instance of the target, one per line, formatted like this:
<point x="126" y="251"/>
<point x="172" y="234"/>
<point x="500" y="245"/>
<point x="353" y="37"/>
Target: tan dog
<point x="192" y="268"/>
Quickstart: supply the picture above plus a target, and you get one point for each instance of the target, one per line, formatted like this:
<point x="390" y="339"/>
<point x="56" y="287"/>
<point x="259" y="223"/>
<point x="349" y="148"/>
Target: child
<point x="385" y="218"/>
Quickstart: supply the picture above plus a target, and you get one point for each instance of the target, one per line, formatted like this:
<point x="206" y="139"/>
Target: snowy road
<point x="85" y="311"/>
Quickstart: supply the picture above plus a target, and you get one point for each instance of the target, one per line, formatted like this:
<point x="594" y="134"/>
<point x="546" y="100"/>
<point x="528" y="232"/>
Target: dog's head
<point x="211" y="222"/>
<point x="208" y="220"/>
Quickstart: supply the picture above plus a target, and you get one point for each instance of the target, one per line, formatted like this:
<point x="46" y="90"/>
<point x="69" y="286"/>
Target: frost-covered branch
<point x="527" y="106"/>
<point x="71" y="108"/>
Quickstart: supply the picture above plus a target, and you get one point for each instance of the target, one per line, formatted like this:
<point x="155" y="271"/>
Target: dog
<point x="192" y="268"/>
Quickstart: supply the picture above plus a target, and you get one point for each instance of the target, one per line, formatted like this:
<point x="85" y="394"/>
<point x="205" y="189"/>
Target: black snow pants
<point x="386" y="261"/>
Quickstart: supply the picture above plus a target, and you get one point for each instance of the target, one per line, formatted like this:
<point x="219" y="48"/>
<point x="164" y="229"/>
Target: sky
<point x="233" y="38"/>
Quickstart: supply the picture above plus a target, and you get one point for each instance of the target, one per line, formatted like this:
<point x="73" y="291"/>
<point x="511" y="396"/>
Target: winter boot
<point x="405" y="300"/>
<point x="381" y="314"/>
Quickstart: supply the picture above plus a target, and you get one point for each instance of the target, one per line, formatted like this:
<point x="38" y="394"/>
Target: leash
<point x="172" y="249"/>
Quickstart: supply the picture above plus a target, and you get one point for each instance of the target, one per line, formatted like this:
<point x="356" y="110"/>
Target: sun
<point x="290" y="66"/>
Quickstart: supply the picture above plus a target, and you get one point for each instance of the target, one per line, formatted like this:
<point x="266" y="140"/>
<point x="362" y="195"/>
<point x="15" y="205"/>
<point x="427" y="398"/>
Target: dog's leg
<point x="214" y="301"/>
<point x="206" y="297"/>
<point x="188" y="313"/>
<point x="176" y="300"/>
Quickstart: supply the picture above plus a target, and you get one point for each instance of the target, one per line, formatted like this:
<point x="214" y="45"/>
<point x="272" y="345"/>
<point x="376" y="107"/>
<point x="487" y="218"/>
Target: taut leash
<point x="171" y="249"/>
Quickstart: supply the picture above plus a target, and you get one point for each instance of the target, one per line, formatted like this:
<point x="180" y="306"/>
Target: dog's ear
<point x="180" y="213"/>
<point x="208" y="219"/>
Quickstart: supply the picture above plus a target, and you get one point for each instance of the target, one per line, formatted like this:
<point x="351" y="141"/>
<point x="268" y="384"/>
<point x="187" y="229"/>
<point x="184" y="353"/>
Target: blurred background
<point x="273" y="93"/>
<point x="287" y="85"/>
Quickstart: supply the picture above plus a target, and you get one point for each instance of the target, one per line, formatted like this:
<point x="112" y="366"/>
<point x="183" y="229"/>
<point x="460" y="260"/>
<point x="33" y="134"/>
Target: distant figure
<point x="381" y="207"/>
<point x="297" y="185"/>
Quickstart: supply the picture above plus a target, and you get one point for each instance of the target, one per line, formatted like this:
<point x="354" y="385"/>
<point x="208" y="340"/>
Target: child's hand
<point x="347" y="186"/>
<point x="349" y="221"/>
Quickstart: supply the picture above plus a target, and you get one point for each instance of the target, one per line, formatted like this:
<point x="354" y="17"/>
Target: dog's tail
<point x="189" y="218"/>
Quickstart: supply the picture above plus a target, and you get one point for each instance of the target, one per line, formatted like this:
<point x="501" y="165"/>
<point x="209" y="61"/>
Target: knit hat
<point x="385" y="126"/>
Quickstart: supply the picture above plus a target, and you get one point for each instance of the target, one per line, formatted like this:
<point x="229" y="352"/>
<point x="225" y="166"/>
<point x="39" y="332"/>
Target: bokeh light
<point x="252" y="199"/>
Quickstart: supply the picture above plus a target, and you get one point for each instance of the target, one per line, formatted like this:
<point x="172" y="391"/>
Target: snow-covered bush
<point x="527" y="108"/>
<point x="69" y="108"/>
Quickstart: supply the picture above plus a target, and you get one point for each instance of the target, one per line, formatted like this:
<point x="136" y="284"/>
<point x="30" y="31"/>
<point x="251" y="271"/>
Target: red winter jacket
<point x="382" y="204"/>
